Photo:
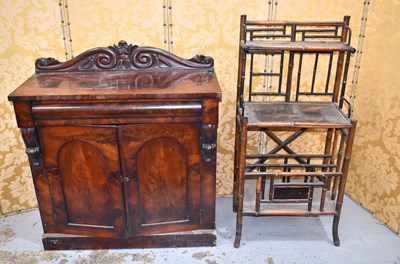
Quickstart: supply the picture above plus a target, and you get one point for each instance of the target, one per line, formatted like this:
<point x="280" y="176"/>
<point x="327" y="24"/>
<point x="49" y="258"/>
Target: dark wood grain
<point x="162" y="190"/>
<point x="123" y="56"/>
<point x="120" y="85"/>
<point x="122" y="147"/>
<point x="201" y="238"/>
<point x="83" y="170"/>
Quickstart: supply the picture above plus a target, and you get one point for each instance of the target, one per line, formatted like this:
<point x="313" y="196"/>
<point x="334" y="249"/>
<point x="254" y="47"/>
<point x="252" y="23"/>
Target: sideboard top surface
<point x="119" y="85"/>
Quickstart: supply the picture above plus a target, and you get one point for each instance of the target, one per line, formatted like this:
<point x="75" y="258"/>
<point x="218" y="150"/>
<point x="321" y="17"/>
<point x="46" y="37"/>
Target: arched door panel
<point x="162" y="163"/>
<point x="83" y="171"/>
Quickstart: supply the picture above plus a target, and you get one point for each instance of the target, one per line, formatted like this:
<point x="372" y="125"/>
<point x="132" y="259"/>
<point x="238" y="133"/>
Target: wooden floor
<point x="269" y="240"/>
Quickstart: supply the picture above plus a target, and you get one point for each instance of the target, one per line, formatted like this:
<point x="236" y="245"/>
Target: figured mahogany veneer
<point x="122" y="147"/>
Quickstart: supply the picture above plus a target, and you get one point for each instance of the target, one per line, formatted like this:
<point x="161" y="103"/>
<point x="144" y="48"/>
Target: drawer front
<point x="73" y="110"/>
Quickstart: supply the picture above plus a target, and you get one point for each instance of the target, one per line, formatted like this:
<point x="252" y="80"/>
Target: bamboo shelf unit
<point x="294" y="134"/>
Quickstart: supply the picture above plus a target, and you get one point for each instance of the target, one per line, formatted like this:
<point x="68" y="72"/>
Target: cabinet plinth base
<point x="200" y="238"/>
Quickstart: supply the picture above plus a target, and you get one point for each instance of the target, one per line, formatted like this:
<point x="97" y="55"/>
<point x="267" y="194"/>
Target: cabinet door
<point x="83" y="170"/>
<point x="162" y="169"/>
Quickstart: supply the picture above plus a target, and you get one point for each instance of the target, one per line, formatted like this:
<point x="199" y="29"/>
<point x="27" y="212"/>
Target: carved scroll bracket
<point x="29" y="136"/>
<point x="123" y="56"/>
<point x="209" y="142"/>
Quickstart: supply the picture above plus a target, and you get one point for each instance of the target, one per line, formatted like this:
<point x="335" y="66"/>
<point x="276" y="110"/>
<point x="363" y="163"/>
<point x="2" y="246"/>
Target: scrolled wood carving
<point x="123" y="57"/>
<point x="29" y="136"/>
<point x="209" y="143"/>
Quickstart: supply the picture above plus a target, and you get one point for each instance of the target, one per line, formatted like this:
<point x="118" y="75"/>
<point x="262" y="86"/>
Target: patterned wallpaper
<point x="28" y="29"/>
<point x="33" y="28"/>
<point x="374" y="179"/>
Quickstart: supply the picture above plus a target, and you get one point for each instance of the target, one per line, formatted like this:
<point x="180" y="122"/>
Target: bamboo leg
<point x="235" y="166"/>
<point x="271" y="188"/>
<point x="240" y="181"/>
<point x="263" y="181"/>
<point x="328" y="147"/>
<point x="342" y="186"/>
<point x="239" y="106"/>
<point x="323" y="194"/>
<point x="333" y="158"/>
<point x="339" y="166"/>
<point x="258" y="194"/>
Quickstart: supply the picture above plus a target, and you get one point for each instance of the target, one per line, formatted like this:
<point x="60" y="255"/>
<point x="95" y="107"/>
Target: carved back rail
<point x="123" y="57"/>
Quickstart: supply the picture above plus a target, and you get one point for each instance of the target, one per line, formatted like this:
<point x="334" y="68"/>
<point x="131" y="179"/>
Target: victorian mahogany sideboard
<point x="122" y="146"/>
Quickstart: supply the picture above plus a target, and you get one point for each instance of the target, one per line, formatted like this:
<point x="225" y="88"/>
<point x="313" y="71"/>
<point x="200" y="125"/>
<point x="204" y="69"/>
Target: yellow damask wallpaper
<point x="33" y="28"/>
<point x="28" y="29"/>
<point x="374" y="179"/>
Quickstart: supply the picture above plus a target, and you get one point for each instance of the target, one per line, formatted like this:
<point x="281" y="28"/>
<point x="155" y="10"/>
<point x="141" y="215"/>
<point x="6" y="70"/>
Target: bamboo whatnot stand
<point x="291" y="177"/>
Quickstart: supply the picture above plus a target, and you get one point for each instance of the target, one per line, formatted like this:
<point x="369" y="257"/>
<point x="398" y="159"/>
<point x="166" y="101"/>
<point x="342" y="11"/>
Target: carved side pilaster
<point x="209" y="142"/>
<point x="31" y="141"/>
